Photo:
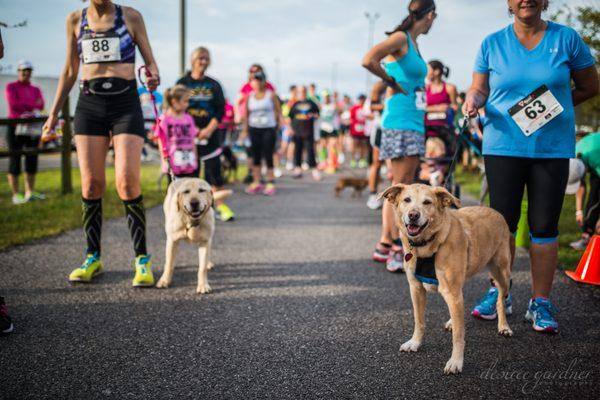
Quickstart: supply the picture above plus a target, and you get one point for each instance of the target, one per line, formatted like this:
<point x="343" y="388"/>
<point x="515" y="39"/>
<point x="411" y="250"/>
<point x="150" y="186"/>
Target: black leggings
<point x="546" y="181"/>
<point x="299" y="144"/>
<point x="592" y="209"/>
<point x="263" y="145"/>
<point x="21" y="142"/>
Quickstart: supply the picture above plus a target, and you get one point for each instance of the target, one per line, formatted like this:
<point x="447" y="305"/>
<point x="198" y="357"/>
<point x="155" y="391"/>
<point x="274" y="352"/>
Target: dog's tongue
<point x="413" y="229"/>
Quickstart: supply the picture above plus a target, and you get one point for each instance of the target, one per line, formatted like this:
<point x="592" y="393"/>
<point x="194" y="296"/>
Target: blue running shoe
<point x="486" y="309"/>
<point x="541" y="313"/>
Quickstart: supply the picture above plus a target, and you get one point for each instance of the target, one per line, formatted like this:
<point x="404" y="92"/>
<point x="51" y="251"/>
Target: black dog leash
<point x="463" y="131"/>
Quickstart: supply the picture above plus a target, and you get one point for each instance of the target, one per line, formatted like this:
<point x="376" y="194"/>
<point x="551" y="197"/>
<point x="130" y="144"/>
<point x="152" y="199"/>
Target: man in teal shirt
<point x="588" y="150"/>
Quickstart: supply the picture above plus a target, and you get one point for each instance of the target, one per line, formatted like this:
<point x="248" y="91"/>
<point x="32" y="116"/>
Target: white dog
<point x="189" y="216"/>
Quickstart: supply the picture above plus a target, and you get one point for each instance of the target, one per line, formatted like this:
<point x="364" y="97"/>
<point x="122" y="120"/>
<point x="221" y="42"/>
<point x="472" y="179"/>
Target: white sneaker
<point x="305" y="167"/>
<point x="19" y="199"/>
<point x="289" y="166"/>
<point x="395" y="263"/>
<point x="316" y="175"/>
<point x="277" y="172"/>
<point x="374" y="202"/>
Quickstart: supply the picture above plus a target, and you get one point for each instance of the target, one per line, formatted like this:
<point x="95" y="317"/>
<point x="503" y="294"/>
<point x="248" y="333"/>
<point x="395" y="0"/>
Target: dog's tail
<point x="222" y="194"/>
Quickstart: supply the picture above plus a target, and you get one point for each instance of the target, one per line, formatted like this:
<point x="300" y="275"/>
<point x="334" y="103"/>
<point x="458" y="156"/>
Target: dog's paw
<point x="163" y="283"/>
<point x="210" y="265"/>
<point x="453" y="366"/>
<point x="448" y="326"/>
<point x="506" y="331"/>
<point x="410" y="346"/>
<point x="203" y="289"/>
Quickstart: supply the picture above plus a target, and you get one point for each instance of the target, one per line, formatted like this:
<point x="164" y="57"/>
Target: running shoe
<point x="362" y="163"/>
<point x="580" y="244"/>
<point x="316" y="175"/>
<point x="353" y="164"/>
<point x="225" y="213"/>
<point x="91" y="267"/>
<point x="381" y="253"/>
<point x="269" y="190"/>
<point x="277" y="172"/>
<point x="254" y="188"/>
<point x="374" y="202"/>
<point x="289" y="166"/>
<point x="6" y="325"/>
<point x="143" y="272"/>
<point x="35" y="196"/>
<point x="305" y="167"/>
<point x="541" y="313"/>
<point x="486" y="309"/>
<point x="395" y="263"/>
<point x="297" y="174"/>
<point x="18" y="199"/>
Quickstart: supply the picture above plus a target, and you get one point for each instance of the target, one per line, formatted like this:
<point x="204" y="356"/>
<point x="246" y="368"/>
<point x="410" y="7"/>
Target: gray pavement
<point x="298" y="311"/>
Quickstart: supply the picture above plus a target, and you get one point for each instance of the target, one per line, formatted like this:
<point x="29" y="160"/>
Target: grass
<point x="569" y="231"/>
<point x="58" y="213"/>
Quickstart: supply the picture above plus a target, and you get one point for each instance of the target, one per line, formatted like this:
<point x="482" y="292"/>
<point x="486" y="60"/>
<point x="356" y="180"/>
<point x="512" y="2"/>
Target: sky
<point x="310" y="38"/>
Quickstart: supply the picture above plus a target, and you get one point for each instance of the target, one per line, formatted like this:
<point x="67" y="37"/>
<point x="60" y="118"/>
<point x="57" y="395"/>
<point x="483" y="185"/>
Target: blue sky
<point x="307" y="36"/>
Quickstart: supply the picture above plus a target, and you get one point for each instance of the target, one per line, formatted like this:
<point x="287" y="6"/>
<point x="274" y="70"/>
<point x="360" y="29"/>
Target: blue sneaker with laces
<point x="541" y="313"/>
<point x="486" y="309"/>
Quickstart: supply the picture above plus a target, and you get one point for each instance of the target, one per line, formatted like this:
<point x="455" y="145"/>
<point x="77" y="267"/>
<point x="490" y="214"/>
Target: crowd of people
<point x="406" y="130"/>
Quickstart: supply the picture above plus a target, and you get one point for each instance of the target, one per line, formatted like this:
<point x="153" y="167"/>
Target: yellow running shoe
<point x="143" y="272"/>
<point x="225" y="213"/>
<point x="91" y="267"/>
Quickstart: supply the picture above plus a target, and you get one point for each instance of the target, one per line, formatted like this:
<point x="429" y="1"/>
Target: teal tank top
<point x="407" y="112"/>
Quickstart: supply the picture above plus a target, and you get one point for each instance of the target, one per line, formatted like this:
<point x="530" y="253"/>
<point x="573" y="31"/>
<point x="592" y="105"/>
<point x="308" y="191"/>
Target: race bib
<point x="184" y="158"/>
<point x="359" y="127"/>
<point x="535" y="110"/>
<point x="436" y="116"/>
<point x="259" y="120"/>
<point x="102" y="47"/>
<point x="420" y="99"/>
<point x="327" y="126"/>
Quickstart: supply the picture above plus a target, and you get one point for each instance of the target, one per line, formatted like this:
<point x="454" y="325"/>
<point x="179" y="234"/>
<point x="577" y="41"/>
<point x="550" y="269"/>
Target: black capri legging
<point x="546" y="181"/>
<point x="22" y="142"/>
<point x="263" y="145"/>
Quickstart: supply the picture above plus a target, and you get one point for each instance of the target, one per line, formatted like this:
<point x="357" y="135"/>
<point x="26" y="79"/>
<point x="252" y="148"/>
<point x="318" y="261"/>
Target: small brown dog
<point x="359" y="184"/>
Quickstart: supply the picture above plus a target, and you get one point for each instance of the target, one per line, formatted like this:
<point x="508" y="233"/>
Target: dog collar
<point x="421" y="243"/>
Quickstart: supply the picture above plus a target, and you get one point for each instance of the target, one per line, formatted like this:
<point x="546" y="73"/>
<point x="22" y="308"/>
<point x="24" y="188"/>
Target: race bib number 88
<point x="535" y="110"/>
<point x="100" y="48"/>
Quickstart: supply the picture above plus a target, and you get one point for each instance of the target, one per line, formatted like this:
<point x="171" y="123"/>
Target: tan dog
<point x="462" y="243"/>
<point x="359" y="184"/>
<point x="189" y="216"/>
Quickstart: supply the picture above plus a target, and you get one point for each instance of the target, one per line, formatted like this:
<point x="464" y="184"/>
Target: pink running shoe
<point x="269" y="190"/>
<point x="254" y="188"/>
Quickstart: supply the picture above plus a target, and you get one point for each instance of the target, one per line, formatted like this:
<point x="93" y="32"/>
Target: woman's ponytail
<point x="417" y="9"/>
<point x="406" y="24"/>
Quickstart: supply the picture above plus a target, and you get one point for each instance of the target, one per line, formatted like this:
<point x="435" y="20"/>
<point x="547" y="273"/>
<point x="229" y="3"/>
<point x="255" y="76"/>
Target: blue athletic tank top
<point x="407" y="112"/>
<point x="100" y="43"/>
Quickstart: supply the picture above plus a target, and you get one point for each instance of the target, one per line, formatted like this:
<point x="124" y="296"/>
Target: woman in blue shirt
<point x="403" y="126"/>
<point x="522" y="77"/>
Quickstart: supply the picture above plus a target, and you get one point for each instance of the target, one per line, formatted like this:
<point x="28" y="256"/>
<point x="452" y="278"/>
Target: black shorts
<point x="22" y="142"/>
<point x="546" y="181"/>
<point x="109" y="106"/>
<point x="212" y="167"/>
<point x="332" y="134"/>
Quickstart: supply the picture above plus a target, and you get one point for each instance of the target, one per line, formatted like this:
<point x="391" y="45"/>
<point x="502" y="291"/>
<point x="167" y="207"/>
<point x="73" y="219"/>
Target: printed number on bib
<point x="183" y="158"/>
<point x="437" y="116"/>
<point x="100" y="48"/>
<point x="535" y="110"/>
<point x="420" y="99"/>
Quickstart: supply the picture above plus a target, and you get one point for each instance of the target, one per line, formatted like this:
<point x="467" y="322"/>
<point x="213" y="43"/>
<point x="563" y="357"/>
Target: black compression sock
<point x="136" y="221"/>
<point x="92" y="224"/>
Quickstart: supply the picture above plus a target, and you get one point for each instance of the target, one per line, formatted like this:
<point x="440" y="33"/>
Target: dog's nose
<point x="414" y="215"/>
<point x="195" y="205"/>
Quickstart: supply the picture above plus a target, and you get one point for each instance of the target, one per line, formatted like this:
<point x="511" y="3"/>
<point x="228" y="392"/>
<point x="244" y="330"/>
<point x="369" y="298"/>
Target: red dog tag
<point x="407" y="257"/>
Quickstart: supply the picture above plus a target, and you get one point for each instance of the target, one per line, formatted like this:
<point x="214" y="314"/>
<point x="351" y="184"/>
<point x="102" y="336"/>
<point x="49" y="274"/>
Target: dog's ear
<point x="392" y="193"/>
<point x="445" y="198"/>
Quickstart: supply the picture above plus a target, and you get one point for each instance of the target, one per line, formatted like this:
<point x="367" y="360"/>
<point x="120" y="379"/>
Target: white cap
<point x="24" y="64"/>
<point x="576" y="174"/>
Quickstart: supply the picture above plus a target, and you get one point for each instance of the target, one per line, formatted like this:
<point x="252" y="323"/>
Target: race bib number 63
<point x="535" y="110"/>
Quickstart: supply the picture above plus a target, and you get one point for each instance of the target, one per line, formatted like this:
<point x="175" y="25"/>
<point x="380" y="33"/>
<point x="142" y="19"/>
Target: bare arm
<point x="453" y="93"/>
<point x="477" y="94"/>
<point x="278" y="115"/>
<point x="135" y="20"/>
<point x="394" y="44"/>
<point x="579" y="196"/>
<point x="69" y="74"/>
<point x="586" y="84"/>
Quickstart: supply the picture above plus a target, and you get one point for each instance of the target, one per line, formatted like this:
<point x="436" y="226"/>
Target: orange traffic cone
<point x="588" y="270"/>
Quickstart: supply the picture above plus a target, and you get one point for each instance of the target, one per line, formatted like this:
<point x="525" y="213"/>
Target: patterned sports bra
<point x="113" y="45"/>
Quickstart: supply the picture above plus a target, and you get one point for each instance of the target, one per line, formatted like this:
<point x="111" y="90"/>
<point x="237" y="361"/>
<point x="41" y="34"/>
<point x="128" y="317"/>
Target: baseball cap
<point x="24" y="64"/>
<point x="576" y="173"/>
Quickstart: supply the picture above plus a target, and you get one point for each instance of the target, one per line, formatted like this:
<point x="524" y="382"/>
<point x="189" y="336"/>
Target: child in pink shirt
<point x="176" y="132"/>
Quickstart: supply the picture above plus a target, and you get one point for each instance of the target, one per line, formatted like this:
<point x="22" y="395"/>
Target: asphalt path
<point x="298" y="310"/>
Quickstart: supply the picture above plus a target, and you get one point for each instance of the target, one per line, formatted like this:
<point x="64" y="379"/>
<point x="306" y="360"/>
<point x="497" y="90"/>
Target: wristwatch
<point x="391" y="81"/>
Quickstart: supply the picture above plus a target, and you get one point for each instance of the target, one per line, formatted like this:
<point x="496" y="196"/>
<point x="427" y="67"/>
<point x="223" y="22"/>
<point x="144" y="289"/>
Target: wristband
<point x="578" y="213"/>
